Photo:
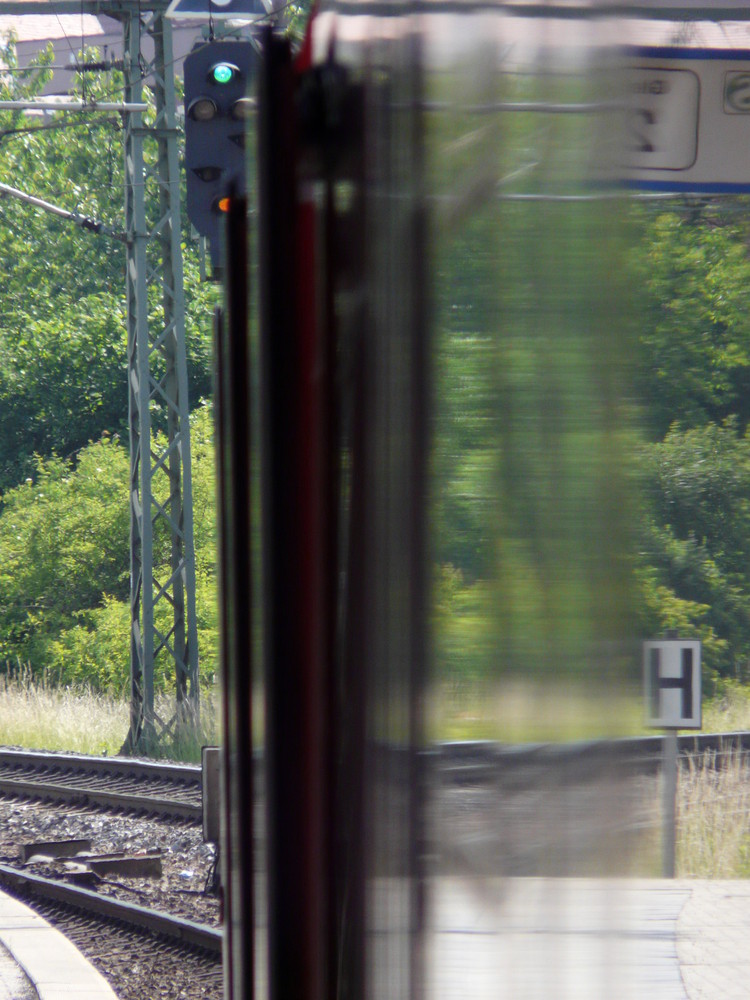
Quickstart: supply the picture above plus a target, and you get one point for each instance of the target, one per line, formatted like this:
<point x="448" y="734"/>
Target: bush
<point x="64" y="567"/>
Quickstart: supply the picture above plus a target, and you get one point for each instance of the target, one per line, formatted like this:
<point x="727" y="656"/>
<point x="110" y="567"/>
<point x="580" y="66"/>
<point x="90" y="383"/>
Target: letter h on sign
<point x="672" y="681"/>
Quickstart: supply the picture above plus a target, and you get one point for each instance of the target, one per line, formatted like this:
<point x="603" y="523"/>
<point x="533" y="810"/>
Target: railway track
<point x="124" y="877"/>
<point x="481" y="761"/>
<point x="142" y="952"/>
<point x="176" y="929"/>
<point x="165" y="792"/>
<point x="171" y="791"/>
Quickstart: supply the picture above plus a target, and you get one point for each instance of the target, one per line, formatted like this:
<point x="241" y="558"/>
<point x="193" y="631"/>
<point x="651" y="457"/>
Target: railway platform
<point x="37" y="962"/>
<point x="589" y="939"/>
<point x="492" y="939"/>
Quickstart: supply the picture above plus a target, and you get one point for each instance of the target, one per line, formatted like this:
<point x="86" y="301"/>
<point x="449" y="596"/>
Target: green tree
<point x="696" y="541"/>
<point x="63" y="546"/>
<point x="64" y="568"/>
<point x="63" y="334"/>
<point x="692" y="273"/>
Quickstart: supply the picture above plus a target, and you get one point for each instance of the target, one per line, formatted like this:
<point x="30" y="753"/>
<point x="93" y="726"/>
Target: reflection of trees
<point x="546" y="363"/>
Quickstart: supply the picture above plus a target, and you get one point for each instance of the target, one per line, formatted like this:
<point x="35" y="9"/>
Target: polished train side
<point x="422" y="328"/>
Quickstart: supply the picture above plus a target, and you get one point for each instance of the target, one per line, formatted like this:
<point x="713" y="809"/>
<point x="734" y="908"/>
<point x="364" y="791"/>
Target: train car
<point x="423" y="413"/>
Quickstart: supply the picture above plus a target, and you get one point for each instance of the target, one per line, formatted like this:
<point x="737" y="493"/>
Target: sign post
<point x="672" y="689"/>
<point x="669" y="803"/>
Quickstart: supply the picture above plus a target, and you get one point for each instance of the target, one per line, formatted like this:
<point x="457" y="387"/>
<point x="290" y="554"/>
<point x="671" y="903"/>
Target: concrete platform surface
<point x="37" y="961"/>
<point x="496" y="939"/>
<point x="588" y="939"/>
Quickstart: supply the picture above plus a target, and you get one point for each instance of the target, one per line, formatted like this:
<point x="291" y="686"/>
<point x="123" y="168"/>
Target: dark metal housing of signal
<point x="217" y="78"/>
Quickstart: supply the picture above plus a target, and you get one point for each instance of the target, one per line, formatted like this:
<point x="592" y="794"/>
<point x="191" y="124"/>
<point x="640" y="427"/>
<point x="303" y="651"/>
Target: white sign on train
<point x="217" y="10"/>
<point x="688" y="121"/>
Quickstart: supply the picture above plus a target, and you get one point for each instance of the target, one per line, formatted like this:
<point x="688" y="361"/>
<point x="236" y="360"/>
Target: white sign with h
<point x="672" y="683"/>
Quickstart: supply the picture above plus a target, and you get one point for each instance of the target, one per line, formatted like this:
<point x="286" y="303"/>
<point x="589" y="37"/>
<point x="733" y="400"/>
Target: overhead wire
<point x="80" y="122"/>
<point x="50" y="126"/>
<point x="249" y="23"/>
<point x="83" y="56"/>
<point x="65" y="35"/>
<point x="120" y="89"/>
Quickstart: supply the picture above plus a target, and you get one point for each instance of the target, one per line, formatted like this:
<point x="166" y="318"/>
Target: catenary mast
<point x="163" y="632"/>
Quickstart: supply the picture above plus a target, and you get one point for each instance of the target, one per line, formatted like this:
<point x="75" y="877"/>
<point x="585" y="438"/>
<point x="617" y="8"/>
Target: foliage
<point x="63" y="546"/>
<point x="696" y="541"/>
<point x="296" y="14"/>
<point x="693" y="275"/>
<point x="530" y="465"/>
<point x="63" y="329"/>
<point x="95" y="651"/>
<point x="64" y="605"/>
<point x="694" y="379"/>
<point x="513" y="512"/>
<point x="464" y="633"/>
<point x="533" y="442"/>
<point x="64" y="531"/>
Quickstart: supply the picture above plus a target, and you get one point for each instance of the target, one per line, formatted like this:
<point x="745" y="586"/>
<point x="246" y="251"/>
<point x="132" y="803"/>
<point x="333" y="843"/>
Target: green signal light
<point x="223" y="72"/>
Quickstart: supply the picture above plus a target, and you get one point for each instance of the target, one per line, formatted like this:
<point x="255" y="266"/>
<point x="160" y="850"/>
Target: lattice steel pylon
<point x="163" y="611"/>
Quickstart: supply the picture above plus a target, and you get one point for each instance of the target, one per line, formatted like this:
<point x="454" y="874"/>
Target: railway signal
<point x="217" y="108"/>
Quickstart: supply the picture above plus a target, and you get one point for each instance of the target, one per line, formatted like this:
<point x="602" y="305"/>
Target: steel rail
<point x="98" y="797"/>
<point x="81" y="780"/>
<point x="441" y="752"/>
<point x="642" y="746"/>
<point x="478" y="760"/>
<point x="188" y="774"/>
<point x="187" y="932"/>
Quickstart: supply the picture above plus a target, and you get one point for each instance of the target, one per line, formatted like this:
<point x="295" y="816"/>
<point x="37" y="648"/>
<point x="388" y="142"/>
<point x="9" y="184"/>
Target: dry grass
<point x="37" y="715"/>
<point x="728" y="712"/>
<point x="713" y="797"/>
<point x="713" y="809"/>
<point x="42" y="717"/>
<point x="514" y="711"/>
